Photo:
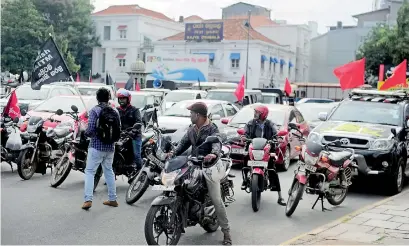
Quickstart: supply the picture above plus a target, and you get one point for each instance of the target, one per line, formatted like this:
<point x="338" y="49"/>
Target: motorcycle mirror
<point x="59" y="112"/>
<point x="16" y="120"/>
<point x="212" y="139"/>
<point x="137" y="126"/>
<point x="337" y="143"/>
<point x="292" y="126"/>
<point x="74" y="108"/>
<point x="23" y="112"/>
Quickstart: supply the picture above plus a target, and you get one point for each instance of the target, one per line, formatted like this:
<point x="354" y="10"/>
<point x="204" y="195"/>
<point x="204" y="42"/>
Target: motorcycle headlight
<point x="315" y="137"/>
<point x="310" y="160"/>
<point x="381" y="144"/>
<point x="168" y="179"/>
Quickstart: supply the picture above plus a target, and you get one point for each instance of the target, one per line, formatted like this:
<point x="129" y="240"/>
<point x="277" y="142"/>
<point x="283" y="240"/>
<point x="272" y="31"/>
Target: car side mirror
<point x="148" y="106"/>
<point x="216" y="117"/>
<point x="241" y="131"/>
<point x="156" y="104"/>
<point x="74" y="108"/>
<point x="225" y="121"/>
<point x="59" y="112"/>
<point x="322" y="116"/>
<point x="23" y="112"/>
<point x="393" y="130"/>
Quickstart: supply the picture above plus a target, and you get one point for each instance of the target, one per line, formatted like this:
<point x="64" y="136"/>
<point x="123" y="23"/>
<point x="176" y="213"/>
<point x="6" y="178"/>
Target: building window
<point x="281" y="69"/>
<point x="289" y="71"/>
<point x="122" y="62"/>
<point x="274" y="68"/>
<point x="211" y="62"/>
<point x="235" y="63"/>
<point x="107" y="32"/>
<point x="269" y="67"/>
<point x="262" y="65"/>
<point x="122" y="34"/>
<point x="103" y="62"/>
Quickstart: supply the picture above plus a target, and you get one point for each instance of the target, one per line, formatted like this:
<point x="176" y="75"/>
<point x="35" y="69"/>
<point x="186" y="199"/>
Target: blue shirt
<point x="92" y="131"/>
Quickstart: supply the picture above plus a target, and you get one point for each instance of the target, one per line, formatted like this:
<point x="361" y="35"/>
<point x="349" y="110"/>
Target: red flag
<point x="240" y="90"/>
<point x="287" y="87"/>
<point x="12" y="109"/>
<point x="381" y="72"/>
<point x="398" y="77"/>
<point x="78" y="77"/>
<point x="351" y="75"/>
<point x="137" y="88"/>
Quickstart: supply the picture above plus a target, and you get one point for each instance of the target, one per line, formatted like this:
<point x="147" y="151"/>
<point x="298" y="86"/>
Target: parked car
<point x="145" y="102"/>
<point x="250" y="96"/>
<point x="309" y="111"/>
<point x="164" y="92"/>
<point x="28" y="98"/>
<point x="90" y="89"/>
<point x="181" y="95"/>
<point x="281" y="115"/>
<point x="314" y="100"/>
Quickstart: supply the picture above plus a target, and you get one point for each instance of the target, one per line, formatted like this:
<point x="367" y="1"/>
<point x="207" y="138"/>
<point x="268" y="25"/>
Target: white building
<point x="269" y="62"/>
<point x="126" y="33"/>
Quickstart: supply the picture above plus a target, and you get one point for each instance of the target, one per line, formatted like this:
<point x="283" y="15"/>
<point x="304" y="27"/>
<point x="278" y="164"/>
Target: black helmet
<point x="313" y="148"/>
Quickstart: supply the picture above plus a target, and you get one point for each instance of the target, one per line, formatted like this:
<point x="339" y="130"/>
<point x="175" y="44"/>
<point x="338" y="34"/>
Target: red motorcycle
<point x="323" y="170"/>
<point x="257" y="166"/>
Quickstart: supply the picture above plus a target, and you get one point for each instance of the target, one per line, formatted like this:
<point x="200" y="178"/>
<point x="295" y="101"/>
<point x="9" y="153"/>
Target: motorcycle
<point x="257" y="166"/>
<point x="11" y="141"/>
<point x="43" y="147"/>
<point x="323" y="171"/>
<point x="186" y="197"/>
<point x="75" y="154"/>
<point x="154" y="149"/>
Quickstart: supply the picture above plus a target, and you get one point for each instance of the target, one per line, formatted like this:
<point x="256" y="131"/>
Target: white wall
<point x="138" y="27"/>
<point x="221" y="69"/>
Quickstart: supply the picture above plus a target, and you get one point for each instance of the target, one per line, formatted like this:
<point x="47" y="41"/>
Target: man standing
<point x="104" y="130"/>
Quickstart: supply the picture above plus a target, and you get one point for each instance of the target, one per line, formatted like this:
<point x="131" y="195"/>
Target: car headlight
<point x="315" y="137"/>
<point x="381" y="144"/>
<point x="168" y="179"/>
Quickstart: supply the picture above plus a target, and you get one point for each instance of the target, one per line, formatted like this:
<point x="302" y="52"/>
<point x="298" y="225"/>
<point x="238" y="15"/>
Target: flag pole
<point x="248" y="42"/>
<point x="65" y="64"/>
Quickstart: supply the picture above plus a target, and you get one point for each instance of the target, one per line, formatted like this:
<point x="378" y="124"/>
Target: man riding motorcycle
<point x="129" y="116"/>
<point x="213" y="167"/>
<point x="261" y="127"/>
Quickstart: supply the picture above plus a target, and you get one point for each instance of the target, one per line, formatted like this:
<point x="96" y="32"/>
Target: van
<point x="213" y="85"/>
<point x="250" y="96"/>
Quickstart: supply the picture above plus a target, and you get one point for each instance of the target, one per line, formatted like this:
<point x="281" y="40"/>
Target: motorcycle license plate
<point x="163" y="188"/>
<point x="257" y="163"/>
<point x="238" y="151"/>
<point x="310" y="168"/>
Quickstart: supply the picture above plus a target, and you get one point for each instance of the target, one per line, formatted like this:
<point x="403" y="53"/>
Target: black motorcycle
<point x="75" y="154"/>
<point x="185" y="201"/>
<point x="154" y="149"/>
<point x="11" y="141"/>
<point x="43" y="147"/>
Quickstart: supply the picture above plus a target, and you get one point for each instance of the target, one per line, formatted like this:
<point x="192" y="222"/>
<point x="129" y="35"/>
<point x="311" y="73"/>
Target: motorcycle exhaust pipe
<point x="336" y="192"/>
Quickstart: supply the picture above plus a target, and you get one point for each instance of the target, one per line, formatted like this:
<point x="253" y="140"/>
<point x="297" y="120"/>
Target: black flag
<point x="108" y="79"/>
<point x="129" y="84"/>
<point x="49" y="66"/>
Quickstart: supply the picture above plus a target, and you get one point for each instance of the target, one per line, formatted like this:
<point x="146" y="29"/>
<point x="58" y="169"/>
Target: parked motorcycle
<point x="11" y="141"/>
<point x="185" y="201"/>
<point x="257" y="166"/>
<point x="43" y="147"/>
<point x="323" y="170"/>
<point x="75" y="154"/>
<point x="154" y="149"/>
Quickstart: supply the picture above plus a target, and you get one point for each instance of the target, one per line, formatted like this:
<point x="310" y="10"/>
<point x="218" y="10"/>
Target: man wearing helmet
<point x="214" y="168"/>
<point x="129" y="116"/>
<point x="260" y="126"/>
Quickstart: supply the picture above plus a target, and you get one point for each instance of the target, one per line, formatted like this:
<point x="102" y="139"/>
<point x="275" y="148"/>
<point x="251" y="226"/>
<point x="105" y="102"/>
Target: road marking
<point x="343" y="218"/>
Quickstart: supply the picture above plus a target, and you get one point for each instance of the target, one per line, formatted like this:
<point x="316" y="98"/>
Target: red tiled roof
<point x="233" y="29"/>
<point x="256" y="20"/>
<point x="193" y="18"/>
<point x="131" y="9"/>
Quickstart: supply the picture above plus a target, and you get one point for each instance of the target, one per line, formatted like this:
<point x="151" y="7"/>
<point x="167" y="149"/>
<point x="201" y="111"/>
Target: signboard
<point x="388" y="73"/>
<point x="212" y="32"/>
<point x="178" y="68"/>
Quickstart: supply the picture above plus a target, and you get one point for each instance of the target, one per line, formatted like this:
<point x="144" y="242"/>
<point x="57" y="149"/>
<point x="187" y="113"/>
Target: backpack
<point x="108" y="125"/>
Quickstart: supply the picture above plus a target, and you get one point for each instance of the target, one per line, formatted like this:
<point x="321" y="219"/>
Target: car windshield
<point x="177" y="96"/>
<point x="222" y="95"/>
<point x="88" y="91"/>
<point x="368" y="112"/>
<point x="310" y="111"/>
<point x="138" y="101"/>
<point x="269" y="99"/>
<point x="179" y="109"/>
<point x="64" y="103"/>
<point x="26" y="93"/>
<point x="246" y="114"/>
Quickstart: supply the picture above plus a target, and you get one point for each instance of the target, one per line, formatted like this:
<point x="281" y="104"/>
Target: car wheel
<point x="397" y="178"/>
<point x="286" y="159"/>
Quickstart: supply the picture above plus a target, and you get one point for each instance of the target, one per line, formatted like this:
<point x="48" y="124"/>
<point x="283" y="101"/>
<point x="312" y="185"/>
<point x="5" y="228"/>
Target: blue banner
<point x="212" y="32"/>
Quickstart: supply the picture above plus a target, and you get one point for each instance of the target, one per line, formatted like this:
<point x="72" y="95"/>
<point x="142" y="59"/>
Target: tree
<point x="22" y="33"/>
<point x="73" y="28"/>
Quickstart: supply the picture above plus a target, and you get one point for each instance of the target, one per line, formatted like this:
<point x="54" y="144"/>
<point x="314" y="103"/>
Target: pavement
<point x="32" y="212"/>
<point x="382" y="223"/>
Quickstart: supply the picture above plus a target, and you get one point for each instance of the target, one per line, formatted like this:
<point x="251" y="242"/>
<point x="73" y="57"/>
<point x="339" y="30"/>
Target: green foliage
<point x="387" y="45"/>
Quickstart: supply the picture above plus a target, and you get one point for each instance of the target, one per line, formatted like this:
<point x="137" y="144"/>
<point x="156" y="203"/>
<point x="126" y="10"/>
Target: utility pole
<point x="248" y="42"/>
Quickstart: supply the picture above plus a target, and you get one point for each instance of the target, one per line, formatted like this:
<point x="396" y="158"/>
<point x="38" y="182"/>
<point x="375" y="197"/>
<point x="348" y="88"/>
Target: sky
<point x="324" y="12"/>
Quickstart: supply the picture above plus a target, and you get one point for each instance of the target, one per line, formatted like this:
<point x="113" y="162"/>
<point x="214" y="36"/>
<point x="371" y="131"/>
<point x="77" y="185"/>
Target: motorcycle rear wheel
<point x="143" y="186"/>
<point x="25" y="156"/>
<point x="64" y="163"/>
<point x="255" y="192"/>
<point x="150" y="225"/>
<point x="298" y="188"/>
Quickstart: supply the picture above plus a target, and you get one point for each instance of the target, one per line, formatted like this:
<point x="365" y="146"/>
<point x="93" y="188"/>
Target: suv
<point x="28" y="98"/>
<point x="375" y="124"/>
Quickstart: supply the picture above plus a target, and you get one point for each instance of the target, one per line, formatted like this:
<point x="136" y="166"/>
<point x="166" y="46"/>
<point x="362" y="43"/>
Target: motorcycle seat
<point x="61" y="132"/>
<point x="338" y="158"/>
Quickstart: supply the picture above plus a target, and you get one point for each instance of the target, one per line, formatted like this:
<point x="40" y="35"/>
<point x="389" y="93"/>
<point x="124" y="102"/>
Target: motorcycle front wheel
<point x="296" y="192"/>
<point x="161" y="224"/>
<point x="137" y="188"/>
<point x="255" y="192"/>
<point x="60" y="171"/>
<point x="25" y="167"/>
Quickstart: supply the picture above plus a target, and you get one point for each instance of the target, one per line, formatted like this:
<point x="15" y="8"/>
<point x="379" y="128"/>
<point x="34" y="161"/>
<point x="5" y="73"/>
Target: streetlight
<point x="248" y="41"/>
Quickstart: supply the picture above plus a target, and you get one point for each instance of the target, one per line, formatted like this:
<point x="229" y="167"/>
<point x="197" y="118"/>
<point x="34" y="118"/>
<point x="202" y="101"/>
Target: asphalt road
<point x="34" y="213"/>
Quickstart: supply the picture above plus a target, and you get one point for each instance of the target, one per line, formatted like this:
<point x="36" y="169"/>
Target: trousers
<point x="137" y="148"/>
<point x="213" y="175"/>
